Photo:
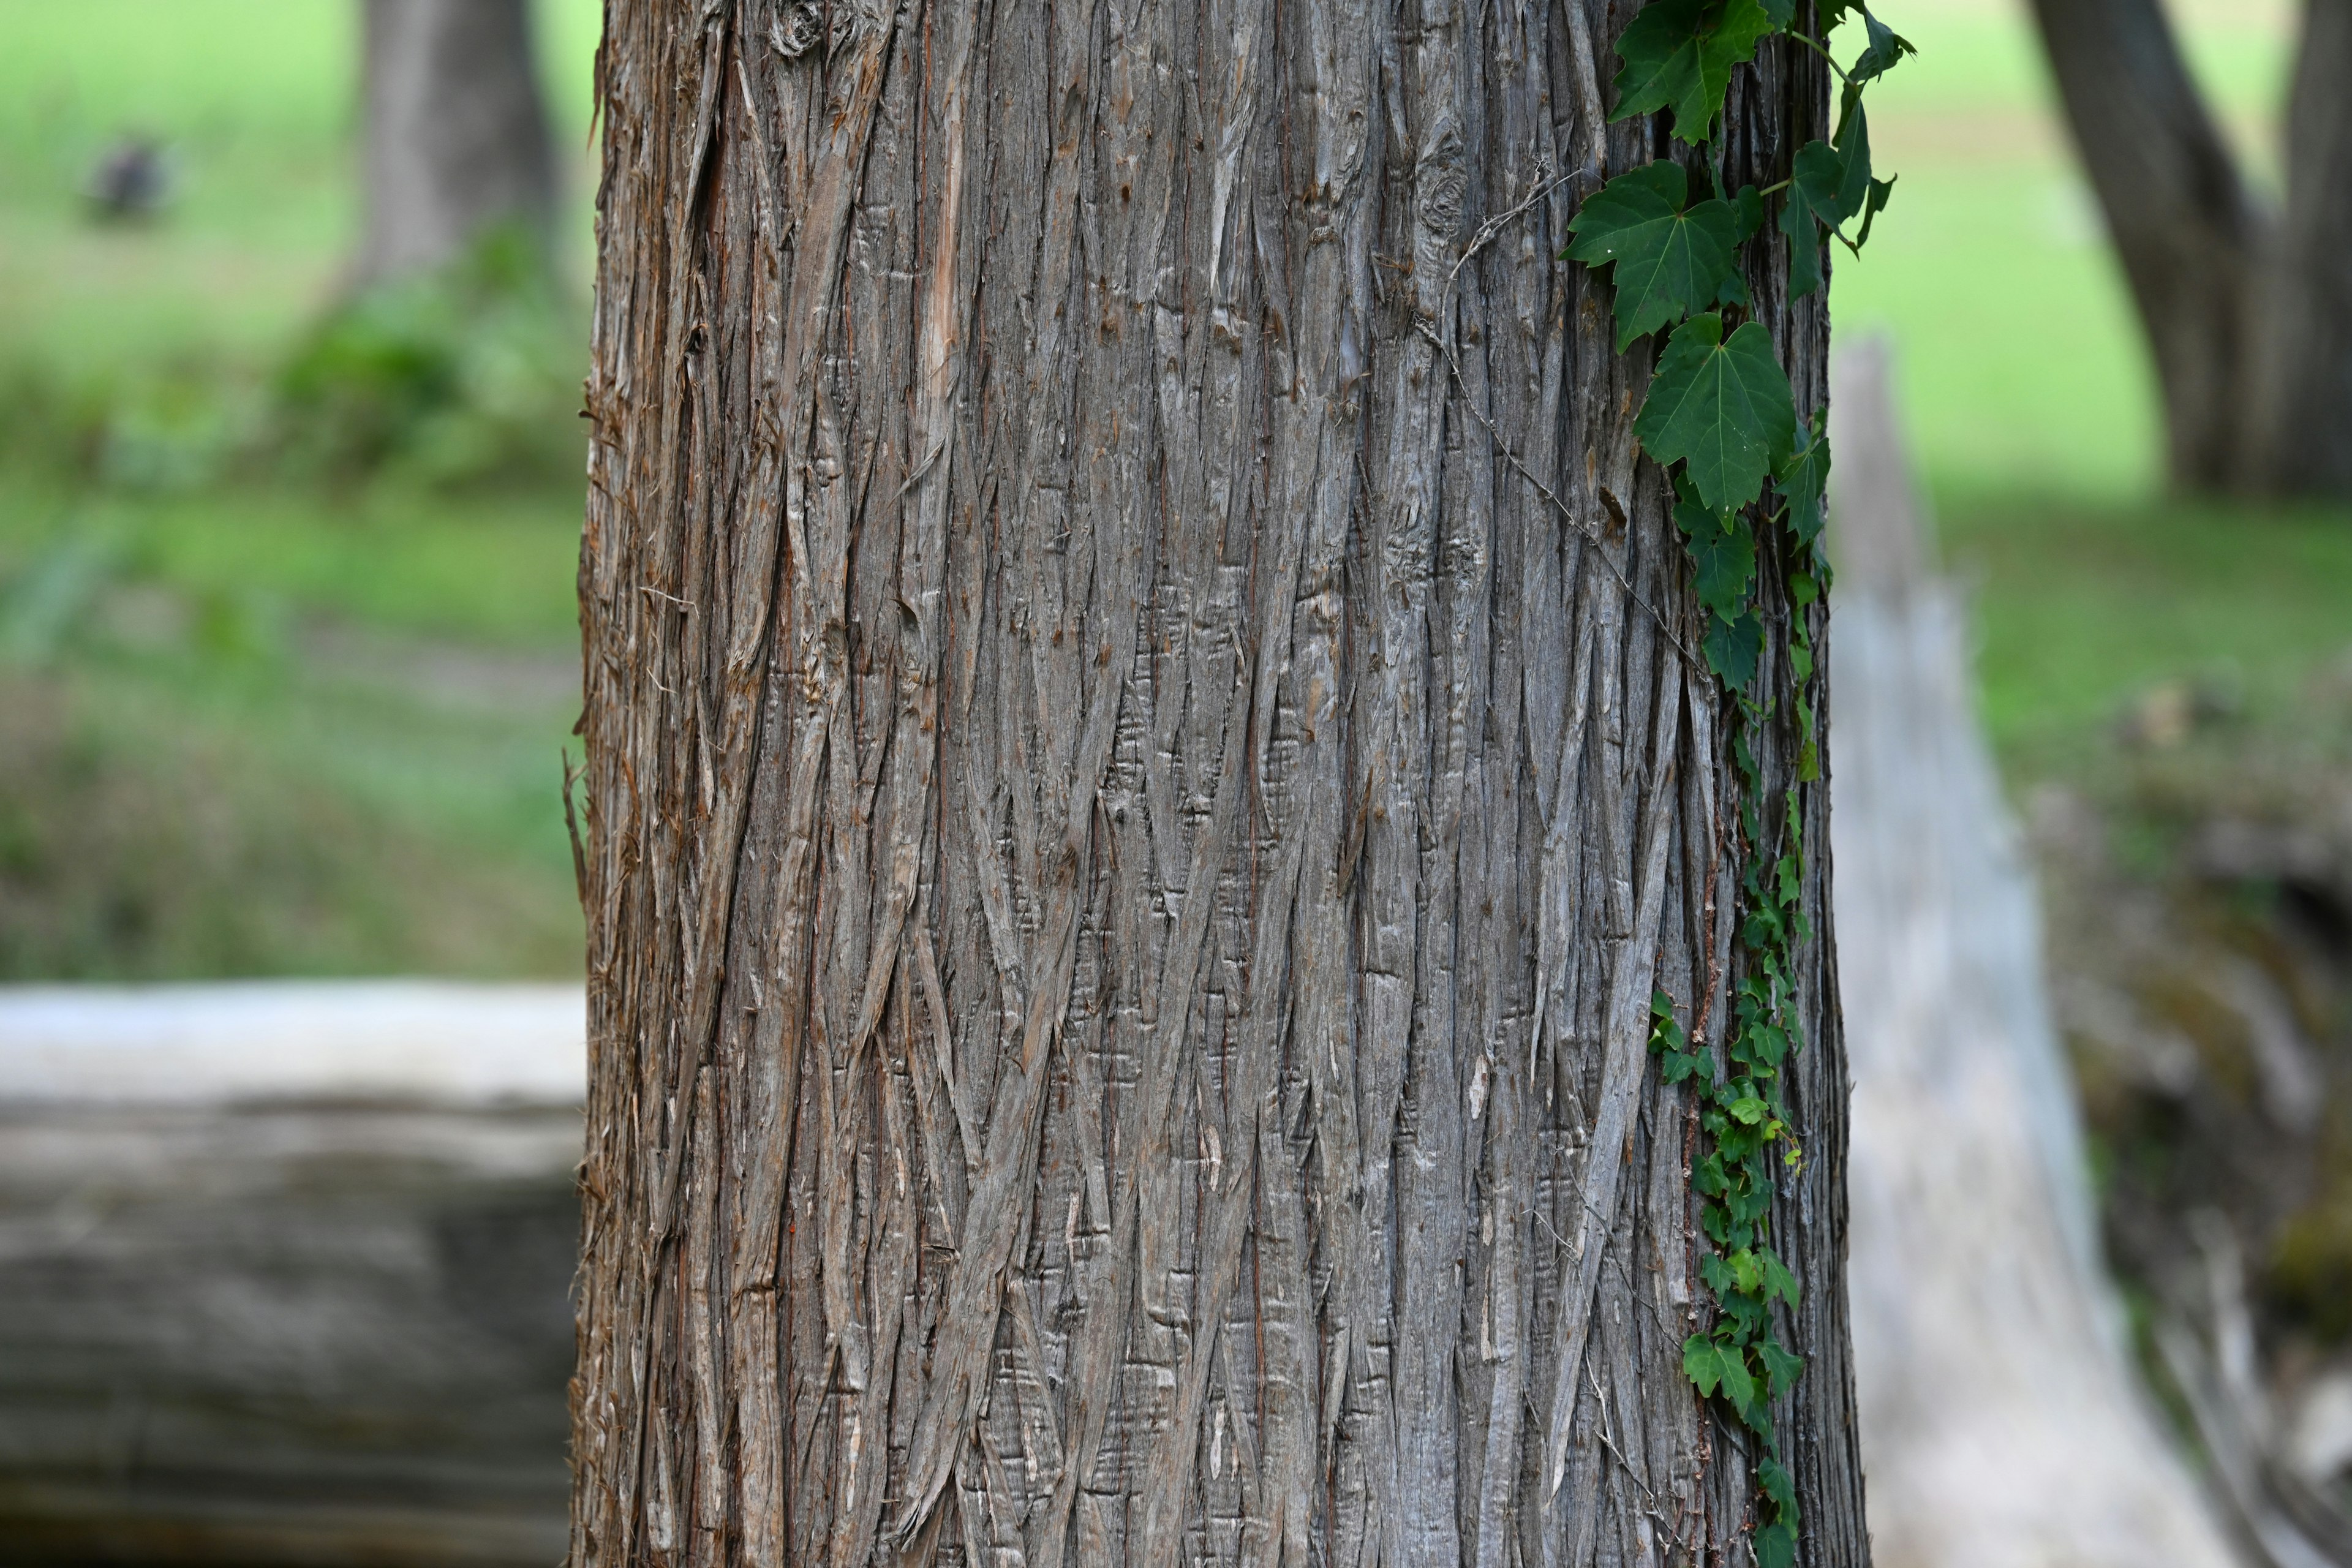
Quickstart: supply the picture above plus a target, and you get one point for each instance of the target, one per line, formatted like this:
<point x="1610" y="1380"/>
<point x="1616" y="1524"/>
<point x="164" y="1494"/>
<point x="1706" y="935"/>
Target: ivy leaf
<point x="1734" y="648"/>
<point x="1722" y="552"/>
<point x="1828" y="182"/>
<point x="1777" y="1281"/>
<point x="1775" y="1544"/>
<point x="1804" y="481"/>
<point x="1714" y="1367"/>
<point x="1773" y="1478"/>
<point x="1678" y="55"/>
<point x="1879" y="191"/>
<point x="1886" y="48"/>
<point x="1852" y="166"/>
<point x="1747" y="212"/>
<point x="1702" y="1364"/>
<point x="1782" y="12"/>
<point x="1780" y="1366"/>
<point x="1803" y="227"/>
<point x="1665" y="261"/>
<point x="1722" y="407"/>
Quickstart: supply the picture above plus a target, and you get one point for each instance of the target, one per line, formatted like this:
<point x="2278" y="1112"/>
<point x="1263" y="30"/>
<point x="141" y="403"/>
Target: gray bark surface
<point x="454" y="133"/>
<point x="1142" y="773"/>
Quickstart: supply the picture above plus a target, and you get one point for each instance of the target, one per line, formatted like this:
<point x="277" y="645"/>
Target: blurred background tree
<point x="2246" y="301"/>
<point x="456" y="136"/>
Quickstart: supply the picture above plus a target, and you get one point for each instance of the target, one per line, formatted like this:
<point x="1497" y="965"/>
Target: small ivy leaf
<point x="1678" y="55"/>
<point x="1702" y="1364"/>
<point x="1886" y="48"/>
<point x="1780" y="1366"/>
<point x="1775" y="1544"/>
<point x="1747" y="212"/>
<point x="1773" y="1478"/>
<point x="1803" y="228"/>
<point x="1852" y="145"/>
<point x="1738" y="1383"/>
<point x="1781" y="12"/>
<point x="1804" y="481"/>
<point x="1734" y="648"/>
<point x="1879" y="191"/>
<point x="1661" y="1005"/>
<point x="1749" y="1110"/>
<point x="1777" y="1281"/>
<point x="1665" y="261"/>
<point x="1827" y="184"/>
<point x="1747" y="1271"/>
<point x="1722" y="552"/>
<point x="1722" y="407"/>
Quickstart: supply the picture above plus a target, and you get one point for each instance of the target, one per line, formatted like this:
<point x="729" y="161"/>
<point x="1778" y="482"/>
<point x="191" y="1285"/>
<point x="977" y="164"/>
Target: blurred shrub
<point x="466" y="376"/>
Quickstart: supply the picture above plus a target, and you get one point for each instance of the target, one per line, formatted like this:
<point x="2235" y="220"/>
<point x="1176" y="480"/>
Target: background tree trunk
<point x="2192" y="241"/>
<point x="1142" y="776"/>
<point x="2308" y="407"/>
<point x="455" y="133"/>
<point x="2248" y="315"/>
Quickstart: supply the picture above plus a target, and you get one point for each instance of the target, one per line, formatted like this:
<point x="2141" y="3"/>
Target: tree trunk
<point x="2248" y="314"/>
<point x="2193" y="243"/>
<point x="2306" y="417"/>
<point x="1143" y="770"/>
<point x="456" y="138"/>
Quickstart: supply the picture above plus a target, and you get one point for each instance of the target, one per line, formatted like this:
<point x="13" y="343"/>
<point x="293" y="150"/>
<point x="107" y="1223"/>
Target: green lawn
<point x="330" y="718"/>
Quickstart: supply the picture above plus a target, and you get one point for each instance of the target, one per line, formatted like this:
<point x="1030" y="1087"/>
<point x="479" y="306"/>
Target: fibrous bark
<point x="2247" y="311"/>
<point x="1143" y="771"/>
<point x="455" y="137"/>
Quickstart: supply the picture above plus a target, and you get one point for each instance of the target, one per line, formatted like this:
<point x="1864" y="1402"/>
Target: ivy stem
<point x="1823" y="53"/>
<point x="1776" y="190"/>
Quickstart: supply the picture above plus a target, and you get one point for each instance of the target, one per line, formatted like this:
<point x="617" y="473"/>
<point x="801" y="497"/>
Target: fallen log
<point x="287" y="1273"/>
<point x="2001" y="1422"/>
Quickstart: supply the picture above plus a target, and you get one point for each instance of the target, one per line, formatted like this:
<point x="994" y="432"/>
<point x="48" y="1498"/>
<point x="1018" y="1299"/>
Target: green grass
<point x="329" y="719"/>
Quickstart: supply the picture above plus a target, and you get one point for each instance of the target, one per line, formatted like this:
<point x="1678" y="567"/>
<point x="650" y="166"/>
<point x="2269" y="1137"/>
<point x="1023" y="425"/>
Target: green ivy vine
<point x="1749" y="472"/>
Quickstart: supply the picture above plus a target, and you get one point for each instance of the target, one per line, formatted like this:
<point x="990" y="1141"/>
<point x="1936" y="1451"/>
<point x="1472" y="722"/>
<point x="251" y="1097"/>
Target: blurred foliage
<point x="468" y="374"/>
